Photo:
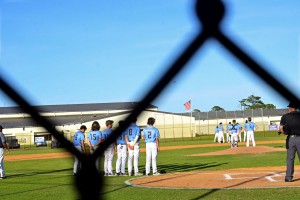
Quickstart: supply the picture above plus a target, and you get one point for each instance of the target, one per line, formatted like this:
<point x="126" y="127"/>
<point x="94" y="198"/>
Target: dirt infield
<point x="262" y="177"/>
<point x="268" y="177"/>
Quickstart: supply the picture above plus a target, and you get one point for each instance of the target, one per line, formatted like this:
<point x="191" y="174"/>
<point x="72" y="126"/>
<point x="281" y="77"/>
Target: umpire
<point x="290" y="126"/>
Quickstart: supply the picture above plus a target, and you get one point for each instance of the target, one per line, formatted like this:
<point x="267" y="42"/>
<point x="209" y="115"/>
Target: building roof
<point x="56" y="120"/>
<point x="65" y="118"/>
<point x="76" y="107"/>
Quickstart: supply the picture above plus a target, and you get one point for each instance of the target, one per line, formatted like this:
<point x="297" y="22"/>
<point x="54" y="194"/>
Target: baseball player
<point x="121" y="152"/>
<point x="132" y="138"/>
<point x="3" y="146"/>
<point x="94" y="139"/>
<point x="220" y="133"/>
<point x="234" y="134"/>
<point x="245" y="132"/>
<point x="78" y="142"/>
<point x="228" y="132"/>
<point x="250" y="128"/>
<point x="216" y="133"/>
<point x="109" y="152"/>
<point x="239" y="128"/>
<point x="151" y="136"/>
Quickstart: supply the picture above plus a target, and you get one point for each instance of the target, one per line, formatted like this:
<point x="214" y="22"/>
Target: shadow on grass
<point x="184" y="167"/>
<point x="38" y="173"/>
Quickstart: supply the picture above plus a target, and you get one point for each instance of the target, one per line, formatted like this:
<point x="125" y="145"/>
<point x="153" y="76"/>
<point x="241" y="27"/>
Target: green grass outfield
<point x="52" y="179"/>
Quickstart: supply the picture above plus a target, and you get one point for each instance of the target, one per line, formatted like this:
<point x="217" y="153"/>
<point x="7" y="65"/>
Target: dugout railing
<point x="210" y="13"/>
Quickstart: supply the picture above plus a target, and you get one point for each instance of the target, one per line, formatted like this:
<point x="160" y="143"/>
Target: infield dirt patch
<point x="268" y="177"/>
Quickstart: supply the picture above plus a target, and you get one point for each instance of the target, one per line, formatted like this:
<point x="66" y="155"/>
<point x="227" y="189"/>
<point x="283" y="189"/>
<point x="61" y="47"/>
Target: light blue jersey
<point x="229" y="127"/>
<point x="220" y="128"/>
<point x="78" y="138"/>
<point x="250" y="126"/>
<point x="239" y="127"/>
<point x="132" y="131"/>
<point x="150" y="133"/>
<point x="121" y="138"/>
<point x="94" y="137"/>
<point x="234" y="128"/>
<point x="106" y="133"/>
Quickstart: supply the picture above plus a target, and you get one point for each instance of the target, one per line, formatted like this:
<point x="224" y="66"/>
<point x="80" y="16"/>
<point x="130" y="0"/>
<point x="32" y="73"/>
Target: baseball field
<point x="196" y="169"/>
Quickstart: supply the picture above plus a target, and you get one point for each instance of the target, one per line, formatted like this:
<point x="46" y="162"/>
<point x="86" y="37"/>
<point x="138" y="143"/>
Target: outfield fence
<point x="210" y="12"/>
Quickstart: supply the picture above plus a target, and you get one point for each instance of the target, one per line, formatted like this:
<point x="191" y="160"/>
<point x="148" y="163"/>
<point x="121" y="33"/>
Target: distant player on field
<point x="228" y="132"/>
<point x="151" y="136"/>
<point x="250" y="128"/>
<point x="220" y="133"/>
<point x="3" y="146"/>
<point x="234" y="134"/>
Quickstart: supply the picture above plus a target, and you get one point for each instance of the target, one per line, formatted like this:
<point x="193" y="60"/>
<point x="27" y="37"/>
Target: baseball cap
<point x="293" y="104"/>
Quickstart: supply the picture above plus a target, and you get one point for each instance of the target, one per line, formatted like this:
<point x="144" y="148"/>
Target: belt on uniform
<point x="294" y="135"/>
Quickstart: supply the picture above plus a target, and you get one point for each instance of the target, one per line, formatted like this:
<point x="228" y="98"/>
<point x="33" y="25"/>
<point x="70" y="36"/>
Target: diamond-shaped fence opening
<point x="210" y="13"/>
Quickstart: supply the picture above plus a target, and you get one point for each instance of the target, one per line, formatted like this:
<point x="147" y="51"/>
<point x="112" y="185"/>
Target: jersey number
<point x="149" y="134"/>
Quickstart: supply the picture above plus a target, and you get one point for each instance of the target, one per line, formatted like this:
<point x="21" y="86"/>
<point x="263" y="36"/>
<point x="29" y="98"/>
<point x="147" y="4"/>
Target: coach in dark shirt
<point x="290" y="126"/>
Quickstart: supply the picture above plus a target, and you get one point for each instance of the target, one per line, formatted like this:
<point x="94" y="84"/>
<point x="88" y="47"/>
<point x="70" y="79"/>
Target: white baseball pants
<point x="133" y="154"/>
<point x="151" y="154"/>
<point x="250" y="136"/>
<point x="121" y="160"/>
<point x="98" y="159"/>
<point x="77" y="163"/>
<point x="220" y="136"/>
<point x="108" y="159"/>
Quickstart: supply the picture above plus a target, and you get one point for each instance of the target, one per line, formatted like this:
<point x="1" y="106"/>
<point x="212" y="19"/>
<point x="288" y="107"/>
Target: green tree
<point x="217" y="108"/>
<point x="196" y="110"/>
<point x="255" y="102"/>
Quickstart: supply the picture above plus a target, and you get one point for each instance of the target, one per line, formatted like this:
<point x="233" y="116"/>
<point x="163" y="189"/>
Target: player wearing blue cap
<point x="94" y="139"/>
<point x="151" y="136"/>
<point x="110" y="151"/>
<point x="122" y="153"/>
<point x="78" y="142"/>
<point x="250" y="128"/>
<point x="133" y="142"/>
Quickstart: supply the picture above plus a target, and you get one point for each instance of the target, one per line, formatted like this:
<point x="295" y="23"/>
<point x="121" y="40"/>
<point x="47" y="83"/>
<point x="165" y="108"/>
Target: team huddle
<point x="127" y="145"/>
<point x="234" y="133"/>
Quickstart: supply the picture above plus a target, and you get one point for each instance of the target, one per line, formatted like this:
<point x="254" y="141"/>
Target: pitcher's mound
<point x="268" y="177"/>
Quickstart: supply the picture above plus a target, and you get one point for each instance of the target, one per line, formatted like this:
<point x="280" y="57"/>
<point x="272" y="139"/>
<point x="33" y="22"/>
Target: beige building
<point x="68" y="118"/>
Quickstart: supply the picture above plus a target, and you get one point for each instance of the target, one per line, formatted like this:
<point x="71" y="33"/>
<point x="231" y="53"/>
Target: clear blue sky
<point x="75" y="51"/>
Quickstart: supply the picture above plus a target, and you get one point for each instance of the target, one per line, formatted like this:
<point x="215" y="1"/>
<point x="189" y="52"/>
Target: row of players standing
<point x="128" y="141"/>
<point x="233" y="132"/>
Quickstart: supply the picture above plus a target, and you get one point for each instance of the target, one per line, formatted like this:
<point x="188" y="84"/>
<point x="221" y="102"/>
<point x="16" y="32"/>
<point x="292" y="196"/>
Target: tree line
<point x="252" y="102"/>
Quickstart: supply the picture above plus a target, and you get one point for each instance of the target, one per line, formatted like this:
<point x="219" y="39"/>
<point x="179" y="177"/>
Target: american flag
<point x="188" y="105"/>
